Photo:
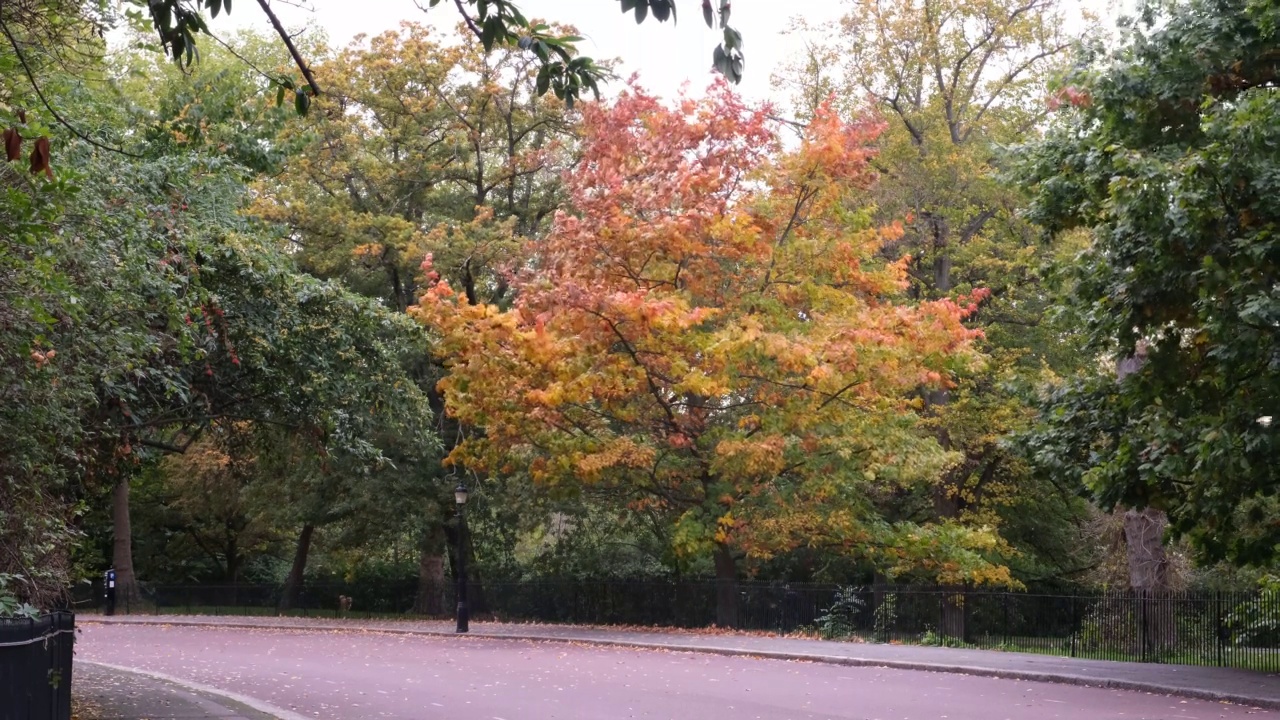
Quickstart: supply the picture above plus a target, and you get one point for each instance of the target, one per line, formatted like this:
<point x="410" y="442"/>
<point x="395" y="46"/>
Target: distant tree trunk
<point x="232" y="551"/>
<point x="951" y="609"/>
<point x="477" y="599"/>
<point x="429" y="599"/>
<point x="1149" y="576"/>
<point x="946" y="503"/>
<point x="293" y="584"/>
<point x="726" y="587"/>
<point x="952" y="614"/>
<point x="879" y="585"/>
<point x="233" y="562"/>
<point x="127" y="594"/>
<point x="883" y="607"/>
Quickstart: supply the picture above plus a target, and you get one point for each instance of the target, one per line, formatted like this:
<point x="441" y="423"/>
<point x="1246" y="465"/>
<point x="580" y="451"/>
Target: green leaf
<point x="732" y="39"/>
<point x="724" y="14"/>
<point x="279" y="95"/>
<point x="720" y="59"/>
<point x="489" y="32"/>
<point x="708" y="14"/>
<point x="642" y="11"/>
<point x="662" y="9"/>
<point x="544" y="79"/>
<point x="302" y="102"/>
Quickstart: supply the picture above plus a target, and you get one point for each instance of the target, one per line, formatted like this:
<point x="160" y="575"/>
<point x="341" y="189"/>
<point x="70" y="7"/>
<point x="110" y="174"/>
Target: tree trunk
<point x="429" y="599"/>
<point x="952" y="614"/>
<point x="127" y="594"/>
<point x="477" y="598"/>
<point x="1149" y="576"/>
<point x="726" y="587"/>
<point x="1144" y="548"/>
<point x="293" y="584"/>
<point x="233" y="565"/>
<point x="233" y="561"/>
<point x="883" y="607"/>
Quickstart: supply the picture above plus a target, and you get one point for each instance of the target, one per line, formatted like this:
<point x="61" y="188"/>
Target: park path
<point x="334" y="668"/>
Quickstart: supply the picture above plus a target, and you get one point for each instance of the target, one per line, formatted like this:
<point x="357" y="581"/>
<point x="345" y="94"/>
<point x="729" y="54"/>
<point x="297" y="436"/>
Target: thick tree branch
<point x="293" y="49"/>
<point x="467" y="16"/>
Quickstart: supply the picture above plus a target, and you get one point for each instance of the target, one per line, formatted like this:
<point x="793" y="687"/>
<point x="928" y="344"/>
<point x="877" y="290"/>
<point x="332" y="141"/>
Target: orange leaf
<point x="40" y="157"/>
<point x="12" y="144"/>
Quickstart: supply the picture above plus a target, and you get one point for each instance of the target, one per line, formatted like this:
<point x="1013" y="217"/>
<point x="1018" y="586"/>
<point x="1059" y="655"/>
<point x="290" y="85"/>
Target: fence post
<point x="1142" y="625"/>
<point x="1217" y="624"/>
<point x="1073" y="629"/>
<point x="1005" y="597"/>
<point x="942" y="612"/>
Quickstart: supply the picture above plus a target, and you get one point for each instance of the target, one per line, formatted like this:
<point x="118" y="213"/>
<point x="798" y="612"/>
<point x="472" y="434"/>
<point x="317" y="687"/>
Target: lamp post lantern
<point x="460" y="499"/>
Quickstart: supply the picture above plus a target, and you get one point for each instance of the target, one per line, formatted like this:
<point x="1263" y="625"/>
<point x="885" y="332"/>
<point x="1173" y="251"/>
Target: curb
<point x="208" y="690"/>
<point x="955" y="669"/>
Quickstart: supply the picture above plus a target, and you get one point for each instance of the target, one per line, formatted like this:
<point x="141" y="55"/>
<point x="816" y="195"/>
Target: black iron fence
<point x="35" y="667"/>
<point x="1240" y="629"/>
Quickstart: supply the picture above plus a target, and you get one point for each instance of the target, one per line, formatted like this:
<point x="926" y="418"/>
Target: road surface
<point x="367" y="675"/>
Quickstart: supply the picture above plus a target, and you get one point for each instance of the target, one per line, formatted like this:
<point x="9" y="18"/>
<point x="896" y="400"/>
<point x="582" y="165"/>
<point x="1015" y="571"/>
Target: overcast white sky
<point x="666" y="56"/>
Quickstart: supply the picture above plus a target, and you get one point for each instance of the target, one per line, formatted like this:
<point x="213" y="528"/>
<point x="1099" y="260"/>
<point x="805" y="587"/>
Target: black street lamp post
<point x="460" y="498"/>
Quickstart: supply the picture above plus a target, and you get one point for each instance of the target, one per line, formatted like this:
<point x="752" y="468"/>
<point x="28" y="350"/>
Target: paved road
<point x="1242" y="687"/>
<point x="104" y="693"/>
<point x="358" y="675"/>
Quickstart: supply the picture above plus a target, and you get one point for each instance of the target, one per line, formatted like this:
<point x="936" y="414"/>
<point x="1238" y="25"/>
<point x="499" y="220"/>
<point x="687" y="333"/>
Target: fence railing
<point x="35" y="667"/>
<point x="1240" y="629"/>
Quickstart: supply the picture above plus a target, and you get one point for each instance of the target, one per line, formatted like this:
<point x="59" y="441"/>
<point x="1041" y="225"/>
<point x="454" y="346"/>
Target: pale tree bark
<point x="1150" y="577"/>
<point x="1145" y="551"/>
<point x="127" y="593"/>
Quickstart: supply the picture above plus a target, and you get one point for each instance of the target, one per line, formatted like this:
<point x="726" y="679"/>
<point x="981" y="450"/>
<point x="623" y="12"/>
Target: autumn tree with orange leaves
<point x="710" y="332"/>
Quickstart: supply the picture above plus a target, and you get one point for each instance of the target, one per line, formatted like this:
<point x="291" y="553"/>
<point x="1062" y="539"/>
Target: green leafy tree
<point x="1166" y="153"/>
<point x="142" y="307"/>
<point x="443" y="149"/>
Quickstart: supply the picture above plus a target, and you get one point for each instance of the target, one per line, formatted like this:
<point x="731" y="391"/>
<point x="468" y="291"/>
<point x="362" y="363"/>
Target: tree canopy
<point x="708" y="330"/>
<point x="1165" y="151"/>
<point x="1000" y="303"/>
